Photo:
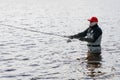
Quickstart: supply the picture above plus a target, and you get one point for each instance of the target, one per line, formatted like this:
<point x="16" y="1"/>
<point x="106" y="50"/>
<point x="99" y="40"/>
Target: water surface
<point x="26" y="55"/>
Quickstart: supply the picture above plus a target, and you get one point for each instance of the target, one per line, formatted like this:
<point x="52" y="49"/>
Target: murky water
<point x="26" y="55"/>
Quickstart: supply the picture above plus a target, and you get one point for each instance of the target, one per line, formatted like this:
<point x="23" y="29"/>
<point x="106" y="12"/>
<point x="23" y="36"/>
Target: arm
<point x="79" y="35"/>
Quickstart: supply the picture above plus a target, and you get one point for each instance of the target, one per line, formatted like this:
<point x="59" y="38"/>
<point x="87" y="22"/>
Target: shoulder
<point x="98" y="30"/>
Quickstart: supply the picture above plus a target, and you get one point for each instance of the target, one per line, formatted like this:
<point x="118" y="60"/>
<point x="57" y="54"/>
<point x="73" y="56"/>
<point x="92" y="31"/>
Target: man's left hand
<point x="69" y="40"/>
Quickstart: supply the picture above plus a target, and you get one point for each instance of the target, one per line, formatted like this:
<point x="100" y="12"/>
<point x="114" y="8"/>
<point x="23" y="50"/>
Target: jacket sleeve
<point x="79" y="35"/>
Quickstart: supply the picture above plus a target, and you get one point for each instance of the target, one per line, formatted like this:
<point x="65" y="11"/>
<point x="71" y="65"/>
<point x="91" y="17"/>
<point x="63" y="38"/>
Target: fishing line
<point x="35" y="31"/>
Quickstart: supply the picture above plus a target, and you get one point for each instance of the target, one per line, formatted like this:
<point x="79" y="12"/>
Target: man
<point x="92" y="35"/>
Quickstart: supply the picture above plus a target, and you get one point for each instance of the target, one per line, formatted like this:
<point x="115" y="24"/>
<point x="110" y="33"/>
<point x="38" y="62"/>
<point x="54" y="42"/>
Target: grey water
<point x="27" y="55"/>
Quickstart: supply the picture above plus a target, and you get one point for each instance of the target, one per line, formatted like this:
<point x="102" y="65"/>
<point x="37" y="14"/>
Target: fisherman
<point x="92" y="35"/>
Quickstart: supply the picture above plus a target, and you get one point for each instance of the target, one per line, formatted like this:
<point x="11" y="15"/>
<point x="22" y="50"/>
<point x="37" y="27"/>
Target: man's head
<point x="93" y="21"/>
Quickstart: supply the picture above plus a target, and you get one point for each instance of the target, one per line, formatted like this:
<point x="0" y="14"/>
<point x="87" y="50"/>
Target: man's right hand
<point x="71" y="37"/>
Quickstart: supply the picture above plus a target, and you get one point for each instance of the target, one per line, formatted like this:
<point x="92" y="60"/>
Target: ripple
<point x="45" y="78"/>
<point x="27" y="44"/>
<point x="56" y="66"/>
<point x="23" y="75"/>
<point x="24" y="59"/>
<point x="71" y="79"/>
<point x="34" y="65"/>
<point x="2" y="45"/>
<point x="9" y="70"/>
<point x="10" y="76"/>
<point x="7" y="59"/>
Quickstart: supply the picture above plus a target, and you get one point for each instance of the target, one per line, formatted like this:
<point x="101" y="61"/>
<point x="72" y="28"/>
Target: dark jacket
<point x="93" y="36"/>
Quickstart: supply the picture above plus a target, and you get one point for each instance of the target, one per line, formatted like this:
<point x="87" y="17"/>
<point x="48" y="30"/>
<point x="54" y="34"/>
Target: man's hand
<point x="82" y="39"/>
<point x="69" y="40"/>
<point x="71" y="37"/>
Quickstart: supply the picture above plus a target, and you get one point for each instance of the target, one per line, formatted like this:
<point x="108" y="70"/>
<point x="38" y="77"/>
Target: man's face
<point x="92" y="23"/>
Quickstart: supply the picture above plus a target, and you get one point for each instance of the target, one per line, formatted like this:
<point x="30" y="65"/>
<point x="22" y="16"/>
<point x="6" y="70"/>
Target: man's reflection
<point x="93" y="63"/>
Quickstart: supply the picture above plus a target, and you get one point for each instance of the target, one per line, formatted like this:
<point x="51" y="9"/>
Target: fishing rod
<point x="35" y="31"/>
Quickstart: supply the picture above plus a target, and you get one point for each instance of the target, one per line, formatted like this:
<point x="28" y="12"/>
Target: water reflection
<point x="93" y="65"/>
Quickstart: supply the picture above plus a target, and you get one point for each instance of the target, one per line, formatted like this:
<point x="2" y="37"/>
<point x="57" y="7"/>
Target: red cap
<point x="93" y="19"/>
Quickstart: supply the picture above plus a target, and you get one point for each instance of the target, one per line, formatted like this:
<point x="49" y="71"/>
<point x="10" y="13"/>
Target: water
<point x="26" y="55"/>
